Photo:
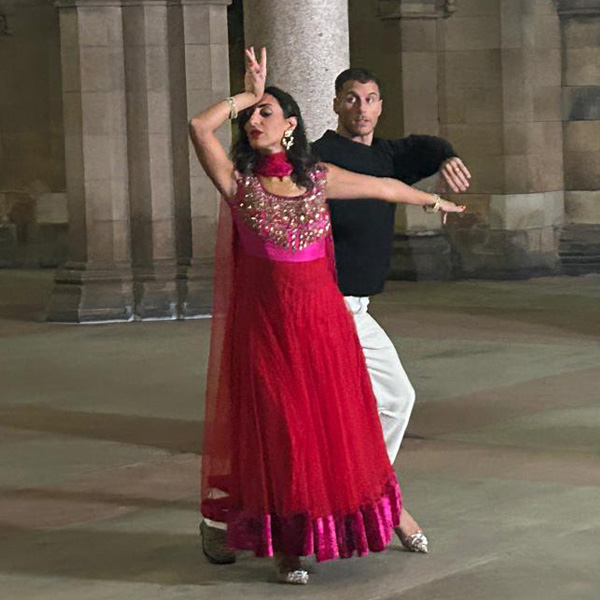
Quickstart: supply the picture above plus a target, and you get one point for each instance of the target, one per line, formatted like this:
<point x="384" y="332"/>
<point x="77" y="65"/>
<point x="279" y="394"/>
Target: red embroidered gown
<point x="294" y="459"/>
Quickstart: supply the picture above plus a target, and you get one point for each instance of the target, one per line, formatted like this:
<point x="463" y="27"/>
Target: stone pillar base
<point x="579" y="249"/>
<point x="506" y="254"/>
<point x="421" y="257"/>
<point x="196" y="289"/>
<point x="156" y="292"/>
<point x="83" y="295"/>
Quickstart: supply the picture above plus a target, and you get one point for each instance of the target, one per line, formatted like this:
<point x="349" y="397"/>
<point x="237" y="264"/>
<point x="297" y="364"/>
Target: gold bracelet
<point x="433" y="208"/>
<point x="233" y="113"/>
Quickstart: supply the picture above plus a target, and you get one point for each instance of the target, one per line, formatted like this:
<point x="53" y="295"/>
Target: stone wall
<point x="486" y="75"/>
<point x="500" y="105"/>
<point x="375" y="44"/>
<point x="580" y="238"/>
<point x="32" y="164"/>
<point x="515" y="86"/>
<point x="142" y="212"/>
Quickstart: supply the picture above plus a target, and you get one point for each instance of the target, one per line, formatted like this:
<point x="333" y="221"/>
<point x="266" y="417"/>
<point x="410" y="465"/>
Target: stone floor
<point x="100" y="433"/>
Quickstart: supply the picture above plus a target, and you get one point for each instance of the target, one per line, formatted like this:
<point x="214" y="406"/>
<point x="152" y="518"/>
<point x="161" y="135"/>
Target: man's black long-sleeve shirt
<point x="363" y="229"/>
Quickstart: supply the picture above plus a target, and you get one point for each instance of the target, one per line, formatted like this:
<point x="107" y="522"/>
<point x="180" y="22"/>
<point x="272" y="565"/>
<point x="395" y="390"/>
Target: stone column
<point x="150" y="135"/>
<point x="580" y="238"/>
<point x="142" y="214"/>
<point x="421" y="249"/>
<point x="307" y="42"/>
<point x="96" y="282"/>
<point x="500" y="98"/>
<point x="206" y="72"/>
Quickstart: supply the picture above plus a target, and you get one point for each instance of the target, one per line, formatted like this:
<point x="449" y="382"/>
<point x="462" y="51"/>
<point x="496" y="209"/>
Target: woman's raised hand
<point x="256" y="73"/>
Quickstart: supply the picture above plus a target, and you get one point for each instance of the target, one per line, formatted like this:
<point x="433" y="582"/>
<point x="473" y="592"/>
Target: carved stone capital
<point x="577" y="8"/>
<point x="416" y="9"/>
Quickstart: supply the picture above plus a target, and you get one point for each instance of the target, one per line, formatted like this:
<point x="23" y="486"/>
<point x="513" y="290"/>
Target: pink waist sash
<point x="254" y="245"/>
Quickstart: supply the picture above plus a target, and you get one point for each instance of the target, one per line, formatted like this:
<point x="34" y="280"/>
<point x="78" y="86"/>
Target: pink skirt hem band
<point x="368" y="529"/>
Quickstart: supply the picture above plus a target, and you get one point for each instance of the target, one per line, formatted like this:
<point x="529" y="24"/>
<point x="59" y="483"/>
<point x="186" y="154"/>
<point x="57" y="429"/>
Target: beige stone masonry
<point x="582" y="208"/>
<point x="526" y="211"/>
<point x="420" y="66"/>
<point x="580" y="24"/>
<point x="96" y="282"/>
<point x="151" y="139"/>
<point x="204" y="68"/>
<point x="51" y="208"/>
<point x="140" y="212"/>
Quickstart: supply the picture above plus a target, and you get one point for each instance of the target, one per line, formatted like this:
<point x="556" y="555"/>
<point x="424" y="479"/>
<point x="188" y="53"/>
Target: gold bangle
<point x="233" y="113"/>
<point x="435" y="207"/>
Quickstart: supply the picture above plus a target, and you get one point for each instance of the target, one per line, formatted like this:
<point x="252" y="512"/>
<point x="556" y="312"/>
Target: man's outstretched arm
<point x="419" y="156"/>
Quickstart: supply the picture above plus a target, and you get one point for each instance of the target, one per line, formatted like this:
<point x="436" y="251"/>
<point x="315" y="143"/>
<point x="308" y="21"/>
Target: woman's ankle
<point x="287" y="562"/>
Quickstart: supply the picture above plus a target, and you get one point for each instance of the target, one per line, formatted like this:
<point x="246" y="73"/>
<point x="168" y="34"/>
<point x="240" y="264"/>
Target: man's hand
<point x="455" y="175"/>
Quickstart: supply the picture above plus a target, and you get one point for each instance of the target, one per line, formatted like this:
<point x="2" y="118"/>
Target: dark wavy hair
<point x="300" y="154"/>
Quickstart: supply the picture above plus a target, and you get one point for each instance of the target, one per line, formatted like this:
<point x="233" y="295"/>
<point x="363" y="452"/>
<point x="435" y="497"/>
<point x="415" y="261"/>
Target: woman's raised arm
<point x="212" y="155"/>
<point x="342" y="184"/>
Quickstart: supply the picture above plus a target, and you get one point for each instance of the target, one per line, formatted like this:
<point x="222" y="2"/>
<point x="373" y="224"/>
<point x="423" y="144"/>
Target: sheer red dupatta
<point x="217" y="444"/>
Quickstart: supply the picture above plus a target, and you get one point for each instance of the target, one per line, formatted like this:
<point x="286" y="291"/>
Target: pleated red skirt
<point x="308" y="471"/>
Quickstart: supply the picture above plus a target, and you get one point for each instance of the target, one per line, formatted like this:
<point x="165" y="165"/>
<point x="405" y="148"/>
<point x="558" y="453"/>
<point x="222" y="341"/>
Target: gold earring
<point x="288" y="139"/>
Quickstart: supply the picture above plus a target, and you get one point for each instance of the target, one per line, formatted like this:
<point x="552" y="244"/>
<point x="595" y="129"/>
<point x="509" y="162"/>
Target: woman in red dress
<point x="294" y="460"/>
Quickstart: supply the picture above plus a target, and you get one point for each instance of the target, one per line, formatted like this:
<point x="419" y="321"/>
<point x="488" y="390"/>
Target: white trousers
<point x="393" y="391"/>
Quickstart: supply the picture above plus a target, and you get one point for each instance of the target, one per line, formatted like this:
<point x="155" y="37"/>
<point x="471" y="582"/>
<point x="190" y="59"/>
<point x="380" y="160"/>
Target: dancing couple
<point x="294" y="457"/>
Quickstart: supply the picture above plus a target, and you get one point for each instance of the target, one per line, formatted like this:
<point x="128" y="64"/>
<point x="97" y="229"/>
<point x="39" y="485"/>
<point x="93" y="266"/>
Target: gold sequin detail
<point x="291" y="223"/>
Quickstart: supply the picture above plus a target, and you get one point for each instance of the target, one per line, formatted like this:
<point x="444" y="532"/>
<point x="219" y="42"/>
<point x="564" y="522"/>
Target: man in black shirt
<point x="363" y="232"/>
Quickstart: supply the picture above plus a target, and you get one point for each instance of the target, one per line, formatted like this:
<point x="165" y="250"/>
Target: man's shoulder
<point x="328" y="139"/>
<point x="331" y="141"/>
<point x="327" y="136"/>
<point x="386" y="144"/>
<point x="397" y="143"/>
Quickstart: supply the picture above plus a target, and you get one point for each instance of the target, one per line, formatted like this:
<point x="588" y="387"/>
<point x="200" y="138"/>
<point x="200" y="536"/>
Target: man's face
<point x="358" y="106"/>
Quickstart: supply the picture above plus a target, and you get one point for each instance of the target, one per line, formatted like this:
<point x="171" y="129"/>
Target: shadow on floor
<point x="175" y="435"/>
<point x="93" y="497"/>
<point x="156" y="558"/>
<point x="150" y="557"/>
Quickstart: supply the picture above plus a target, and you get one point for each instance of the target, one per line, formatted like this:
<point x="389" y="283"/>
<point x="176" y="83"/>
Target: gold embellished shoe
<point x="290" y="570"/>
<point x="416" y="542"/>
<point x="295" y="577"/>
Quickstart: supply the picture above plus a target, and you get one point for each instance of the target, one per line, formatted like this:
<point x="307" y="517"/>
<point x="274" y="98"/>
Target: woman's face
<point x="267" y="124"/>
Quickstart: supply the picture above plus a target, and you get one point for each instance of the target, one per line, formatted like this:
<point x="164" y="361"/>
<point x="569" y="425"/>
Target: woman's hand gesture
<point x="449" y="207"/>
<point x="256" y="73"/>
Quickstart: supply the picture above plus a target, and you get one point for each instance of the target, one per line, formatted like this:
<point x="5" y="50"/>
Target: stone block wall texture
<point x="500" y="105"/>
<point x="142" y="213"/>
<point x="514" y="86"/>
<point x="375" y="44"/>
<point x="581" y="109"/>
<point x="205" y="59"/>
<point x="32" y="158"/>
<point x="96" y="282"/>
<point x="580" y="23"/>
